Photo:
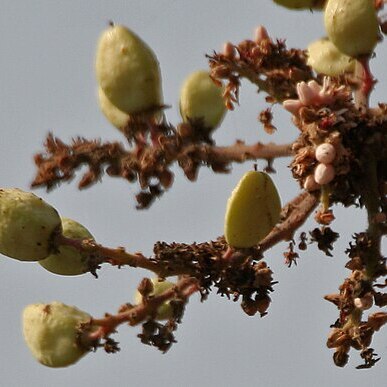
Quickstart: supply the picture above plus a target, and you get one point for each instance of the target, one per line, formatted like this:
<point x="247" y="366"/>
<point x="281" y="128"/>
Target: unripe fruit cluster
<point x="50" y="331"/>
<point x="29" y="228"/>
<point x="129" y="82"/>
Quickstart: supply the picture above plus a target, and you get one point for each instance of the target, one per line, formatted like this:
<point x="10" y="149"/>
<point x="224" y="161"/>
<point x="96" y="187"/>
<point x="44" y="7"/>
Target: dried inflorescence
<point x="266" y="118"/>
<point x="357" y="295"/>
<point x="324" y="238"/>
<point x="275" y="69"/>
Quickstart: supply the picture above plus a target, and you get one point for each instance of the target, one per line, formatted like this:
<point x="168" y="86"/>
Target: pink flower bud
<point x="310" y="184"/>
<point x="325" y="153"/>
<point x="261" y="34"/>
<point x="292" y="105"/>
<point x="229" y="50"/>
<point x="324" y="173"/>
<point x="306" y="95"/>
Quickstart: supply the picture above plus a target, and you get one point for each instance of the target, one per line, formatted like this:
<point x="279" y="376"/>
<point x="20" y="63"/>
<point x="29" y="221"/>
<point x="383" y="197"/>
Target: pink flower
<point x="261" y="34"/>
<point x="313" y="94"/>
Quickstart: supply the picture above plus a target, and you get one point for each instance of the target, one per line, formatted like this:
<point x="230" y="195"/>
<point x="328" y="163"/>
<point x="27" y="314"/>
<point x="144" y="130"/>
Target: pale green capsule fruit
<point x="115" y="116"/>
<point x="301" y="4"/>
<point x="128" y="71"/>
<point x="253" y="209"/>
<point x="68" y="261"/>
<point x="325" y="58"/>
<point x="27" y="225"/>
<point x="164" y="311"/>
<point x="352" y="26"/>
<point x="201" y="98"/>
<point x="50" y="331"/>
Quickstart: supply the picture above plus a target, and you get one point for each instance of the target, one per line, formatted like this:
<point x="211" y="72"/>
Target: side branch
<point x="97" y="332"/>
<point x="149" y="164"/>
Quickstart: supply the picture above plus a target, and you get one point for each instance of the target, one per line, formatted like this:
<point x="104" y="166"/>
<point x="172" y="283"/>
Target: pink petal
<point x="261" y="34"/>
<point x="292" y="105"/>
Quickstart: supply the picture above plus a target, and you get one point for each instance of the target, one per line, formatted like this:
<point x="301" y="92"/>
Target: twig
<point x="101" y="328"/>
<point x="296" y="213"/>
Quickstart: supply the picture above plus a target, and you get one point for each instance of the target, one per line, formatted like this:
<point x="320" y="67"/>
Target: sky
<point x="48" y="84"/>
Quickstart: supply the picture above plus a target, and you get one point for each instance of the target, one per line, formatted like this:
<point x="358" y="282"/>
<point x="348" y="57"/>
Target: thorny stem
<point x="371" y="184"/>
<point x="370" y="187"/>
<point x="116" y="257"/>
<point x="372" y="204"/>
<point x="241" y="152"/>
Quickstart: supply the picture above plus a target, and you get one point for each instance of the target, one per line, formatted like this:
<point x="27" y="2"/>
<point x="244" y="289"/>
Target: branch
<point x="204" y="261"/>
<point x="145" y="163"/>
<point x="296" y="213"/>
<point x="241" y="152"/>
<point x="371" y="197"/>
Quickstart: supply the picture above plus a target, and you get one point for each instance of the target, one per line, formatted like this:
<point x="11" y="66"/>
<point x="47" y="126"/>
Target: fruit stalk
<point x="366" y="83"/>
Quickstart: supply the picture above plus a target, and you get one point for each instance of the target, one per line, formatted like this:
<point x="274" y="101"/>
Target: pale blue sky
<point x="48" y="83"/>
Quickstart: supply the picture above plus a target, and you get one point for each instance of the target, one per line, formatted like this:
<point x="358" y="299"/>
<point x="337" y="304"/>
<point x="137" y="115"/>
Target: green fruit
<point x="27" y="225"/>
<point x="128" y="71"/>
<point x="201" y="98"/>
<point x="164" y="311"/>
<point x="325" y="58"/>
<point x="68" y="261"/>
<point x="50" y="331"/>
<point x="299" y="4"/>
<point x="253" y="209"/>
<point x="115" y="116"/>
<point x="352" y="26"/>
